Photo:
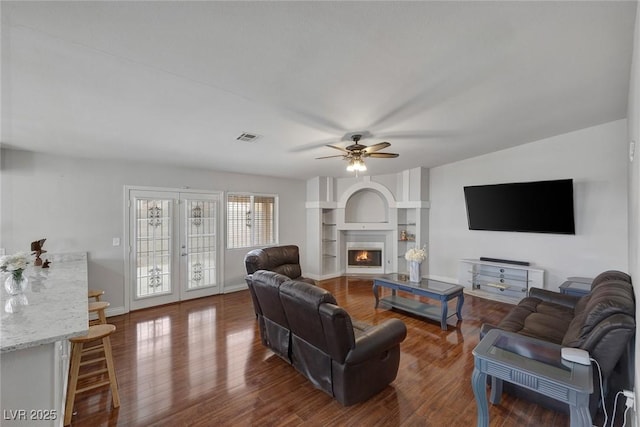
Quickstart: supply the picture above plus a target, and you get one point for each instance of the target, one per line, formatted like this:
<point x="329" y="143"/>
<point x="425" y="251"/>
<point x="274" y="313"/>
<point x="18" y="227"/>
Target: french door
<point x="173" y="246"/>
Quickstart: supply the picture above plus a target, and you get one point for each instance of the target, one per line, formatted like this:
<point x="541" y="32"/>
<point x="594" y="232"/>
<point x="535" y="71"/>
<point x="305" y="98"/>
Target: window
<point x="251" y="220"/>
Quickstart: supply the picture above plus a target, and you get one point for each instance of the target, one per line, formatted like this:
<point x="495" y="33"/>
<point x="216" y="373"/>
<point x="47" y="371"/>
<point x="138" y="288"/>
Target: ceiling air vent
<point x="248" y="137"/>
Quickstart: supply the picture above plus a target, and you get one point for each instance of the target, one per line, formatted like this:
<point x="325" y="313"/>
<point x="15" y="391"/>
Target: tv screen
<point x="534" y="207"/>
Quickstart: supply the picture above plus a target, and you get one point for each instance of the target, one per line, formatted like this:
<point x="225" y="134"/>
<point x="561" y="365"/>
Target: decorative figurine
<point x="37" y="248"/>
<point x="46" y="263"/>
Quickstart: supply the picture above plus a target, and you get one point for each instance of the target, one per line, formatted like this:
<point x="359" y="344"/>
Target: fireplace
<point x="365" y="257"/>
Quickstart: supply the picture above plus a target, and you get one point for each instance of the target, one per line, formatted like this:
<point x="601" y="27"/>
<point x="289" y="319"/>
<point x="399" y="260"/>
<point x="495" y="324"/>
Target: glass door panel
<point x="200" y="246"/>
<point x="173" y="246"/>
<point x="153" y="247"/>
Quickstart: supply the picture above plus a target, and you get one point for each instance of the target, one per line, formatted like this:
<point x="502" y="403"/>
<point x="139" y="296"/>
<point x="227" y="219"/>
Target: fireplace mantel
<point x="341" y="210"/>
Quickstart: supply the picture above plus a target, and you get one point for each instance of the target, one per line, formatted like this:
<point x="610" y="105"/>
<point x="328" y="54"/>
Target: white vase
<point x="14" y="286"/>
<point x="414" y="271"/>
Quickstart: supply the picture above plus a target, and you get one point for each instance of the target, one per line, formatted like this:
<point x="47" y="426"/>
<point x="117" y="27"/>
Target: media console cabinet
<point x="496" y="280"/>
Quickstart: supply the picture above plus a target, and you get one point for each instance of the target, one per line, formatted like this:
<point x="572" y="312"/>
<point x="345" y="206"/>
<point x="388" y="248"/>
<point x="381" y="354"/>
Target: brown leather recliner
<point x="272" y="321"/>
<point x="349" y="362"/>
<point x="280" y="259"/>
<point x="284" y="260"/>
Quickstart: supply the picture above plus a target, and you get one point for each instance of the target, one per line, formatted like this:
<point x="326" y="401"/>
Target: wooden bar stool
<point x="95" y="294"/>
<point x="79" y="383"/>
<point x="99" y="307"/>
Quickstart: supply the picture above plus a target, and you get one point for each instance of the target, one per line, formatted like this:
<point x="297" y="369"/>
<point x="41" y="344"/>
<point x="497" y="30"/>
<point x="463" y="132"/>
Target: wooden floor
<point x="201" y="363"/>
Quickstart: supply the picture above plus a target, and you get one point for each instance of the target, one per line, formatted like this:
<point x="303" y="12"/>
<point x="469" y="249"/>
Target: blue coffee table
<point x="444" y="292"/>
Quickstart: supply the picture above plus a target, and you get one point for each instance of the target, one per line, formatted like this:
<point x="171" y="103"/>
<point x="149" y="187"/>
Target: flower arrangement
<point x="416" y="255"/>
<point x="14" y="264"/>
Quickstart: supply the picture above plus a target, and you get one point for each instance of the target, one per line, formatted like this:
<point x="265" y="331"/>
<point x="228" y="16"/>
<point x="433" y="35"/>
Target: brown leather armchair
<point x="280" y="259"/>
<point x="283" y="260"/>
<point x="350" y="361"/>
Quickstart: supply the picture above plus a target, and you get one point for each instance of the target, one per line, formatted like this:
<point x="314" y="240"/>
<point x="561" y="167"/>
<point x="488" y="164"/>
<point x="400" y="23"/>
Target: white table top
<point x="56" y="304"/>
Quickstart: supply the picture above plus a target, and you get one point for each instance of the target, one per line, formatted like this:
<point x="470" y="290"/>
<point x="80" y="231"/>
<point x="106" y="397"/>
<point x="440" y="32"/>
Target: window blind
<point x="250" y="220"/>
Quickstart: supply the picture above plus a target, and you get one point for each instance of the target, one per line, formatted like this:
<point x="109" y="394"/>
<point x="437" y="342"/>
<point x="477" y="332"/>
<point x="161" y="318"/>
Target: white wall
<point x="633" y="118"/>
<point x="596" y="159"/>
<point x="78" y="205"/>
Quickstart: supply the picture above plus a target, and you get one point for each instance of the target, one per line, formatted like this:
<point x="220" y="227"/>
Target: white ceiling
<point x="177" y="82"/>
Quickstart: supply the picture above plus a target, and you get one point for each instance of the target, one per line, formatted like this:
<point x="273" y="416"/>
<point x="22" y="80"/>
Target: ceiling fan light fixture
<point x="356" y="165"/>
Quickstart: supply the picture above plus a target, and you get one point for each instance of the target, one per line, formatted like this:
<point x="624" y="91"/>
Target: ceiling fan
<point x="356" y="153"/>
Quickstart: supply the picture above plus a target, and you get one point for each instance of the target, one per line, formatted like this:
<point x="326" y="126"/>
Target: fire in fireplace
<point x="365" y="258"/>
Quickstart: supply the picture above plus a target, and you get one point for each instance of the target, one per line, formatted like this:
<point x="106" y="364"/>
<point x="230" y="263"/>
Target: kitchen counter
<point x="52" y="308"/>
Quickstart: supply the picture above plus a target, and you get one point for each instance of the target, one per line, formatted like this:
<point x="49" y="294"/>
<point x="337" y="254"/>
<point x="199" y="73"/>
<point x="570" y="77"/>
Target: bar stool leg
<point x="74" y="369"/>
<point x="102" y="316"/>
<point x="115" y="397"/>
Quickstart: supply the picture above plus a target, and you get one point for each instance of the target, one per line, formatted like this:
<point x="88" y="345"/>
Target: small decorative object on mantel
<point x="15" y="264"/>
<point x="415" y="257"/>
<point x="46" y="263"/>
<point x="36" y="247"/>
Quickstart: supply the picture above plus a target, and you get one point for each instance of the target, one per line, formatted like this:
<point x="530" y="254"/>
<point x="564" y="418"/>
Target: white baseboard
<point x="234" y="288"/>
<point x="110" y="312"/>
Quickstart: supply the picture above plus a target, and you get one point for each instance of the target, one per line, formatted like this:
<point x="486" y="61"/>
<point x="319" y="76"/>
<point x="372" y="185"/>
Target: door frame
<point x="127" y="246"/>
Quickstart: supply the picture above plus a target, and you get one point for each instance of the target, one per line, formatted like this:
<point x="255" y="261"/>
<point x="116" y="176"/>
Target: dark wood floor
<point x="200" y="363"/>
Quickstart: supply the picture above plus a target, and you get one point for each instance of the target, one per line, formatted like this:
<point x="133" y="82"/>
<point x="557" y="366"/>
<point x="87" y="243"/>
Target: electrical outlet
<point x="116" y="241"/>
<point x="631" y="400"/>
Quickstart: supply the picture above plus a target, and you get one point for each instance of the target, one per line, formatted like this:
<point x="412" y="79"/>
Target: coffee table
<point x="444" y="292"/>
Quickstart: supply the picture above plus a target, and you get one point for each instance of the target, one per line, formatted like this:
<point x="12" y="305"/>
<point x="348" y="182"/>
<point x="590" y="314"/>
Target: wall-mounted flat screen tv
<point x="533" y="207"/>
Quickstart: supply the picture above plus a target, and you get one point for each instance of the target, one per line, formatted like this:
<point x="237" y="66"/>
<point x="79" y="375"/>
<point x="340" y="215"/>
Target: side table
<point x="577" y="289"/>
<point x="533" y="364"/>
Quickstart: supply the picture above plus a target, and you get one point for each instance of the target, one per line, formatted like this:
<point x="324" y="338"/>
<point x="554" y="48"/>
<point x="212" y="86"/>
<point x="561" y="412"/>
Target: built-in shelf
<point x="364" y="212"/>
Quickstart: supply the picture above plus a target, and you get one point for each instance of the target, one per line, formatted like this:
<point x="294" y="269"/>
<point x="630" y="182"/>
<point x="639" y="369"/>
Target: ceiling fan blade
<point x="329" y="157"/>
<point x="382" y="155"/>
<point x="337" y="148"/>
<point x="376" y="147"/>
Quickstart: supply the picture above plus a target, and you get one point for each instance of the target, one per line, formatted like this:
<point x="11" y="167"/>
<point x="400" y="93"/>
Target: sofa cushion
<point x="539" y="319"/>
<point x="610" y="275"/>
<point x="605" y="300"/>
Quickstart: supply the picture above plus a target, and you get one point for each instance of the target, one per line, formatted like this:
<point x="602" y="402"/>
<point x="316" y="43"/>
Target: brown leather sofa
<point x="284" y="260"/>
<point x="601" y="322"/>
<point x="303" y="324"/>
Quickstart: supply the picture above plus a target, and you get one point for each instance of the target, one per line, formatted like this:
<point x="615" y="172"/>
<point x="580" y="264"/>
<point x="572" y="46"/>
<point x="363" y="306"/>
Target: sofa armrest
<point x="377" y="339"/>
<point x="554" y="297"/>
<point x="485" y="328"/>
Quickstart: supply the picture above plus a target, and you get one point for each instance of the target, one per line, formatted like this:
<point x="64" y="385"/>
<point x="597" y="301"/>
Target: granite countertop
<point x="52" y="308"/>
